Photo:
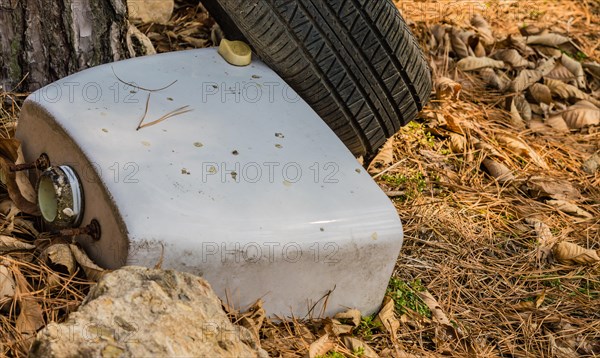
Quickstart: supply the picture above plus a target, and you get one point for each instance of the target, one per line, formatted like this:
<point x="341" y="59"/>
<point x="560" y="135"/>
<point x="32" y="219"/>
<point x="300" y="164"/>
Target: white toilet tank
<point x="243" y="185"/>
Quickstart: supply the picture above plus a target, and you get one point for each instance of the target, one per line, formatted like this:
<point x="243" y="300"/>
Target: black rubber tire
<point x="355" y="62"/>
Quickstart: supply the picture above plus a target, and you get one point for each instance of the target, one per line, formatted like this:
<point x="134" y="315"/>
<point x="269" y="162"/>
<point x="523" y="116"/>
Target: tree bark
<point x="44" y="40"/>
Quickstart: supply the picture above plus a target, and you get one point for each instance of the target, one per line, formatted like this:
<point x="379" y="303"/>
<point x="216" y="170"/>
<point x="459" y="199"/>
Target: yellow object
<point x="237" y="53"/>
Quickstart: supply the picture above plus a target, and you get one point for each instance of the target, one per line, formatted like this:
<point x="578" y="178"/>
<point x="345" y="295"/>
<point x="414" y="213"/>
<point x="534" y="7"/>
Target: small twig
<point x="173" y="113"/>
<point x="325" y="297"/>
<point x="145" y="112"/>
<point x="139" y="87"/>
<point x="21" y="81"/>
<point x="390" y="168"/>
<point x="159" y="264"/>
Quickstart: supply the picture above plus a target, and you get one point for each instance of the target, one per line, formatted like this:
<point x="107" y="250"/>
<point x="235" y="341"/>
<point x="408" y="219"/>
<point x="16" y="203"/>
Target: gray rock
<point x="140" y="312"/>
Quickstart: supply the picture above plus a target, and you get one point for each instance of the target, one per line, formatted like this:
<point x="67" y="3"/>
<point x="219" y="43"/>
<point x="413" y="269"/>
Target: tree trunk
<point x="44" y="40"/>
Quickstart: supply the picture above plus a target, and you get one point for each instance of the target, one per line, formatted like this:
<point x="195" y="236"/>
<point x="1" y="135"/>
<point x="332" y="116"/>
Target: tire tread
<point x="355" y="56"/>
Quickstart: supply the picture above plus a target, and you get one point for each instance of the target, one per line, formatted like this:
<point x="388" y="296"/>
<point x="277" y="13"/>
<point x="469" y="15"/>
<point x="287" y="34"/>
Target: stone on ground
<point x="140" y="312"/>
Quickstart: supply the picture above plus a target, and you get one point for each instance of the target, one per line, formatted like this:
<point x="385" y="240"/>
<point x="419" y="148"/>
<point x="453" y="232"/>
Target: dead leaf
<point x="551" y="40"/>
<point x="452" y="124"/>
<point x="197" y="43"/>
<point x="546" y="240"/>
<point x="7" y="287"/>
<point x="576" y="70"/>
<point x="434" y="307"/>
<point x="491" y="78"/>
<point x="8" y="243"/>
<point x="561" y="349"/>
<point x="560" y="72"/>
<point x="31" y="317"/>
<point x="513" y="58"/>
<point x="14" y="191"/>
<point x="519" y="109"/>
<point x="18" y="183"/>
<point x="487" y="148"/>
<point x="539" y="301"/>
<point x="523" y="107"/>
<point x="515" y="117"/>
<point x="446" y="332"/>
<point x="581" y="114"/>
<point x="539" y="127"/>
<point x="9" y="149"/>
<point x="523" y="306"/>
<point x="254" y="319"/>
<point x="458" y="143"/>
<point x="593" y="66"/>
<point x="92" y="271"/>
<point x="60" y="254"/>
<point x="530" y="305"/>
<point x="472" y="63"/>
<point x="520" y="148"/>
<point x="518" y="43"/>
<point x="569" y="253"/>
<point x="540" y="93"/>
<point x="567" y="91"/>
<point x="438" y="32"/>
<point x="525" y="79"/>
<point x="477" y="46"/>
<point x="355" y="344"/>
<point x="8" y="209"/>
<point x="546" y="66"/>
<point x="542" y="110"/>
<point x="143" y="46"/>
<point x="388" y="318"/>
<point x="320" y="347"/>
<point x="569" y="208"/>
<point x="530" y="30"/>
<point x="459" y="46"/>
<point x="483" y="29"/>
<point x="498" y="170"/>
<point x="447" y="89"/>
<point x="351" y="316"/>
<point x="549" y="52"/>
<point x="384" y="158"/>
<point x="336" y="328"/>
<point x="23" y="182"/>
<point x="558" y="123"/>
<point x="545" y="187"/>
<point x="25" y="227"/>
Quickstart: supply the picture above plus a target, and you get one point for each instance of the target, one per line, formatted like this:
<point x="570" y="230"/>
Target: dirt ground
<point x="497" y="183"/>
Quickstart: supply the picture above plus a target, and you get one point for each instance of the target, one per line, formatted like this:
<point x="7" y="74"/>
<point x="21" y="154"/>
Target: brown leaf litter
<point x="497" y="184"/>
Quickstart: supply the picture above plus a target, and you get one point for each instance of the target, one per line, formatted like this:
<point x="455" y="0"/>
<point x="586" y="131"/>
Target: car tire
<point x="355" y="62"/>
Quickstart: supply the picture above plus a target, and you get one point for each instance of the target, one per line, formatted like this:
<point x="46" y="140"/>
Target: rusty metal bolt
<point x="92" y="230"/>
<point x="41" y="163"/>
